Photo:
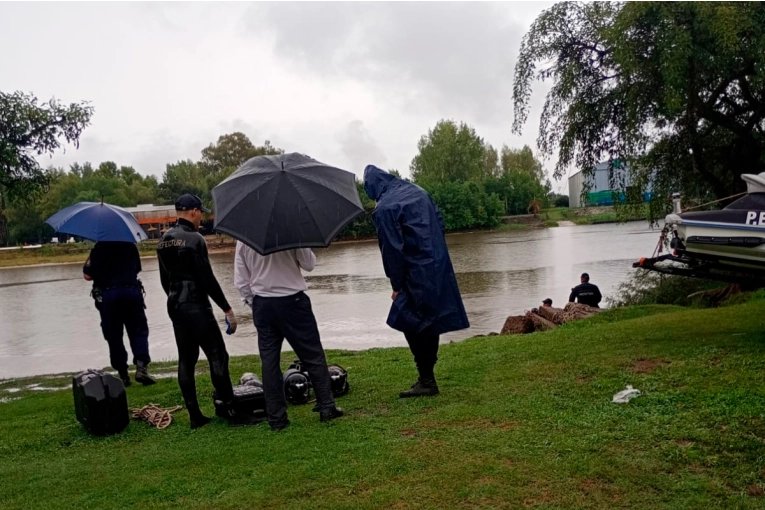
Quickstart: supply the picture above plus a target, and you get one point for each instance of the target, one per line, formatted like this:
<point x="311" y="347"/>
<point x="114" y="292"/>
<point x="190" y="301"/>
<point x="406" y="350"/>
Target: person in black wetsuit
<point x="189" y="282"/>
<point x="113" y="268"/>
<point x="586" y="293"/>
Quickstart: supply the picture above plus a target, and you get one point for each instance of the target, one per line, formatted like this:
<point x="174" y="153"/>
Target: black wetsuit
<point x="587" y="294"/>
<point x="189" y="282"/>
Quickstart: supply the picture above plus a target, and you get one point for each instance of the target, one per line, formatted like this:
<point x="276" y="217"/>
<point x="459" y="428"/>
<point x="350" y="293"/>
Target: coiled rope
<point x="155" y="415"/>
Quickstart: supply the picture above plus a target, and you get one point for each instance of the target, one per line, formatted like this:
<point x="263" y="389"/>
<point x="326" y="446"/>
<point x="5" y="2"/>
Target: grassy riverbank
<point x="583" y="216"/>
<point x="521" y="421"/>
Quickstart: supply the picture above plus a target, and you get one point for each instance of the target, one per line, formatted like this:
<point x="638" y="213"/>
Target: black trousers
<point x="424" y="346"/>
<point x="195" y="327"/>
<point x="292" y="318"/>
<point x="121" y="309"/>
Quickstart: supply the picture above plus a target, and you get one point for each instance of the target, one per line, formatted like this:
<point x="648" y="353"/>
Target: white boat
<point x="730" y="240"/>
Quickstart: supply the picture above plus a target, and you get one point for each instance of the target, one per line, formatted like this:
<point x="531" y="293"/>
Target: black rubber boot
<point x="280" y="426"/>
<point x="330" y="415"/>
<point x="422" y="388"/>
<point x="125" y="377"/>
<point x="142" y="374"/>
<point x="197" y="418"/>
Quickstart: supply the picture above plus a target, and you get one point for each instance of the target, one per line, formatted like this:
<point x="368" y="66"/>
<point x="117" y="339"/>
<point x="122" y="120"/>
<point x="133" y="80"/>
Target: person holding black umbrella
<point x="189" y="282"/>
<point x="274" y="287"/>
<point x="278" y="207"/>
<point x="426" y="298"/>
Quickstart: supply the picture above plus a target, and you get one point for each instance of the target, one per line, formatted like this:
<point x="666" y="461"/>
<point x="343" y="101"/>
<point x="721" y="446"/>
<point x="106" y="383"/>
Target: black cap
<point x="190" y="202"/>
<point x="585" y="276"/>
<point x="547" y="301"/>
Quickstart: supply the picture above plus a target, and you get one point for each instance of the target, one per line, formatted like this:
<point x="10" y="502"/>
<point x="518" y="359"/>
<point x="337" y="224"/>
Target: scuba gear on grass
<point x="297" y="383"/>
<point x="339" y="378"/>
<point x="100" y="402"/>
<point x="248" y="406"/>
<point x="250" y="379"/>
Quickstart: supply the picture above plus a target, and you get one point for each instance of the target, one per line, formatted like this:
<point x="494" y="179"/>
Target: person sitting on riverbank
<point x="547" y="303"/>
<point x="426" y="299"/>
<point x="586" y="293"/>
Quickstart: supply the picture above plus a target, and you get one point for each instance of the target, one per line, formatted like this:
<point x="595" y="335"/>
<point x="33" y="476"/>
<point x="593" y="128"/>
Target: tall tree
<point x="676" y="90"/>
<point x="448" y="153"/>
<point x="491" y="162"/>
<point x="231" y="151"/>
<point x="521" y="160"/>
<point x="29" y="130"/>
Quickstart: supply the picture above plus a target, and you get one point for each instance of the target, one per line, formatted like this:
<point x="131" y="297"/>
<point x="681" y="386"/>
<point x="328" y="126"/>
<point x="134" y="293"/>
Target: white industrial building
<point x="599" y="192"/>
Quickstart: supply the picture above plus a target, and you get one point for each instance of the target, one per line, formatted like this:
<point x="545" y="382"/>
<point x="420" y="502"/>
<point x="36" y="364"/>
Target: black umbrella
<point x="275" y="203"/>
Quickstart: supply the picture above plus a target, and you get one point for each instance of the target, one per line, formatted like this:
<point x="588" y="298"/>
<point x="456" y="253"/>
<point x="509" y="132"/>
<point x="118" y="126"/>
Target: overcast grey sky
<point x="347" y="83"/>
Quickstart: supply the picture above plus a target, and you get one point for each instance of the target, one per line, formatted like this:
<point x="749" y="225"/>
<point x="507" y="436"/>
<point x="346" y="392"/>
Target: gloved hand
<point x="230" y="322"/>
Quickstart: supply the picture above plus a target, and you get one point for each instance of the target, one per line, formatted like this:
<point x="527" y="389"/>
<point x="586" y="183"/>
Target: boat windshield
<point x="752" y="201"/>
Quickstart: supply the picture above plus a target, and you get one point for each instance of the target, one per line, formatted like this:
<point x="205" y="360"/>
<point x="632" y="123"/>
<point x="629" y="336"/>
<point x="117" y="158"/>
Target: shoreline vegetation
<point x="521" y="420"/>
<point x="55" y="254"/>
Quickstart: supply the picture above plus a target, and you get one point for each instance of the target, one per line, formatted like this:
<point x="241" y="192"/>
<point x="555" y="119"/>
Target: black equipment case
<point x="249" y="402"/>
<point x="100" y="402"/>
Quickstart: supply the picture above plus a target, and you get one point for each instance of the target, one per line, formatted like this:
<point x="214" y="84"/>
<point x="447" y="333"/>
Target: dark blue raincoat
<point x="410" y="232"/>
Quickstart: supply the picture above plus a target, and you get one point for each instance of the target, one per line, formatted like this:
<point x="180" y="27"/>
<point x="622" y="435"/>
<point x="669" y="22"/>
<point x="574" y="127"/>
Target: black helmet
<point x="339" y="378"/>
<point x="297" y="386"/>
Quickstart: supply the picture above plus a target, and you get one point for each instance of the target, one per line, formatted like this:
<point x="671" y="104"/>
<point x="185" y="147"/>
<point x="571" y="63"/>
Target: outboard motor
<point x="339" y="378"/>
<point x="297" y="384"/>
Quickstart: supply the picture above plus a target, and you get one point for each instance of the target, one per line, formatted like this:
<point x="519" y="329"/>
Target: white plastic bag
<point x="625" y="396"/>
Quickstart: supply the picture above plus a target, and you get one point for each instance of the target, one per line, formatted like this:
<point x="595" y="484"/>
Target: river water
<point x="48" y="323"/>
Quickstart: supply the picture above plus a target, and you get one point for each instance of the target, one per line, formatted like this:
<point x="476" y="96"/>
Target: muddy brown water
<point x="48" y="323"/>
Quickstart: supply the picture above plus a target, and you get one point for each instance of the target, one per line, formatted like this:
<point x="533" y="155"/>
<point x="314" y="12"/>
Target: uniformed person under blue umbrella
<point x="426" y="298"/>
<point x="113" y="268"/>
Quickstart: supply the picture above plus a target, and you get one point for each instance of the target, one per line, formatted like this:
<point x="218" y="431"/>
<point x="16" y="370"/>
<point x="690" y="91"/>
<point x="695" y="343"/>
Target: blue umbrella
<point x="97" y="222"/>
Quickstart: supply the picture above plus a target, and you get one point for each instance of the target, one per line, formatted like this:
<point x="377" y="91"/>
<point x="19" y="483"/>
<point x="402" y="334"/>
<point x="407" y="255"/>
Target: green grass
<point x="524" y="421"/>
<point x="583" y="216"/>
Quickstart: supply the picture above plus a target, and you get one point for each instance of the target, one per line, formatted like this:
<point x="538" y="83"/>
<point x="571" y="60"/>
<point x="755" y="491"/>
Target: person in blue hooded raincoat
<point x="426" y="298"/>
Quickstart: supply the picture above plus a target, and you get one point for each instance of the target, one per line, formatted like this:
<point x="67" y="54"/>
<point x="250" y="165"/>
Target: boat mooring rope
<point x="155" y="415"/>
<point x="714" y="201"/>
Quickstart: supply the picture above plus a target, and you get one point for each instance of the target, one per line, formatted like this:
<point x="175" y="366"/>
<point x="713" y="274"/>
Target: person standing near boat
<point x="586" y="293"/>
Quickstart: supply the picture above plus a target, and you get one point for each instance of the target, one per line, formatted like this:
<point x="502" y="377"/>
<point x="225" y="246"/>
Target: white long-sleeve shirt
<point x="275" y="275"/>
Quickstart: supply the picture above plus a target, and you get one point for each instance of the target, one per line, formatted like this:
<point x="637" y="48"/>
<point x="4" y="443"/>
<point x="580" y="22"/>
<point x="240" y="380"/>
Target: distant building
<point x="600" y="192"/>
<point x="155" y="219"/>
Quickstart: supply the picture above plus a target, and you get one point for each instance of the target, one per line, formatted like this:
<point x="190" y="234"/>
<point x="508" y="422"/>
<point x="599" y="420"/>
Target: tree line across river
<point x="473" y="183"/>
